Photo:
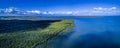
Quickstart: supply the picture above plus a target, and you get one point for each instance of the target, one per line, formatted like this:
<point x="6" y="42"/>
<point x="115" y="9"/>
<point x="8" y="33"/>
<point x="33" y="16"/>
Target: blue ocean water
<point x="108" y="23"/>
<point x="102" y="32"/>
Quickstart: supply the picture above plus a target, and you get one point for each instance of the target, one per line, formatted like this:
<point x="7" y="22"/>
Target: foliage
<point x="29" y="39"/>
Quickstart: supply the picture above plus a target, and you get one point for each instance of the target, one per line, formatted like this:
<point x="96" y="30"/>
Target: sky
<point x="63" y="5"/>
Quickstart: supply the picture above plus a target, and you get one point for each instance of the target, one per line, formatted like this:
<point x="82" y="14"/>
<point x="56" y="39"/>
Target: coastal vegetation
<point x="31" y="33"/>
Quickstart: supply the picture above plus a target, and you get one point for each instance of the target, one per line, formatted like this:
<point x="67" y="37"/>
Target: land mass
<point x="30" y="38"/>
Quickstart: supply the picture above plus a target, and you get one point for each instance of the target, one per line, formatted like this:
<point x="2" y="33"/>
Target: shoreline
<point x="63" y="32"/>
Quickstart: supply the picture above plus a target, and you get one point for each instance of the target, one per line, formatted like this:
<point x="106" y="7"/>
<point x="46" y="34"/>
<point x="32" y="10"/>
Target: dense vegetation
<point x="33" y="34"/>
<point x="7" y="26"/>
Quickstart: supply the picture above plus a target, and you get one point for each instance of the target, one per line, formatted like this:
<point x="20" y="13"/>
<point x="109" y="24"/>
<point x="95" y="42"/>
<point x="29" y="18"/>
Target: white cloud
<point x="34" y="11"/>
<point x="113" y="8"/>
<point x="104" y="9"/>
<point x="16" y="11"/>
<point x="9" y="10"/>
<point x="98" y="11"/>
<point x="58" y="12"/>
<point x="99" y="8"/>
<point x="45" y="13"/>
<point x="95" y="11"/>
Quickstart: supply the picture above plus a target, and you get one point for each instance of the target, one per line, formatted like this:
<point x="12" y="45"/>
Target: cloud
<point x="16" y="11"/>
<point x="97" y="11"/>
<point x="34" y="11"/>
<point x="58" y="12"/>
<point x="45" y="13"/>
<point x="104" y="9"/>
<point x="114" y="8"/>
<point x="10" y="10"/>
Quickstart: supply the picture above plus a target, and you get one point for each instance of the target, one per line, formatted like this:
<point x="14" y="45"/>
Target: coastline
<point x="67" y="30"/>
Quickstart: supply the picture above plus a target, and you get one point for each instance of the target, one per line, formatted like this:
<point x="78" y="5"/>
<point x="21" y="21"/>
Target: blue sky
<point x="48" y="4"/>
<point x="59" y="5"/>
